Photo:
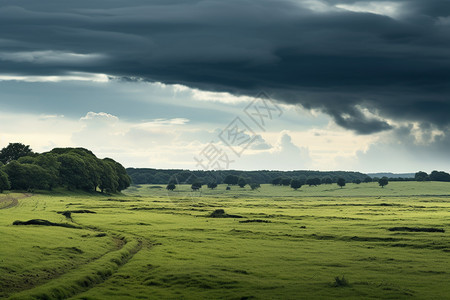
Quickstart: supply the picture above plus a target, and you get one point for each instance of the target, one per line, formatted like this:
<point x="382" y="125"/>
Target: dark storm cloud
<point x="301" y="52"/>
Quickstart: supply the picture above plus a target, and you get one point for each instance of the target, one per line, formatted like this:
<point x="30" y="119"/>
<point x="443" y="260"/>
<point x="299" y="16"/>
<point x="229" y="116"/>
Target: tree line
<point x="72" y="168"/>
<point x="163" y="176"/>
<point x="295" y="183"/>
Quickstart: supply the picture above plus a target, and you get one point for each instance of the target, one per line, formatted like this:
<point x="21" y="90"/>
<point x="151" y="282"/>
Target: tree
<point x="14" y="151"/>
<point x="50" y="163"/>
<point x="313" y="181"/>
<point x="27" y="176"/>
<point x="109" y="180"/>
<point x="73" y="173"/>
<point x="296" y="184"/>
<point x="286" y="181"/>
<point x="4" y="181"/>
<point x="242" y="182"/>
<point x="421" y="176"/>
<point x="254" y="186"/>
<point x="277" y="181"/>
<point x="357" y="181"/>
<point x="341" y="182"/>
<point x="327" y="180"/>
<point x="231" y="180"/>
<point x="196" y="186"/>
<point x="439" y="176"/>
<point x="212" y="185"/>
<point x="368" y="179"/>
<point x="171" y="187"/>
<point x="383" y="181"/>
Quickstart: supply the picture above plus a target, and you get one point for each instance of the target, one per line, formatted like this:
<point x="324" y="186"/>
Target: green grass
<point x="163" y="245"/>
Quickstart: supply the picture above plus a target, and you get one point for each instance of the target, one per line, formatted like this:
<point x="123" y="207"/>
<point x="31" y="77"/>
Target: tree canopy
<point x="73" y="168"/>
<point x="13" y="152"/>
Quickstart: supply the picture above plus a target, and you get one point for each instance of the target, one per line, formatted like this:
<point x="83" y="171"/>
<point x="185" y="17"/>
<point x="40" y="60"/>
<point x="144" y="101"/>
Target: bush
<point x="340" y="282"/>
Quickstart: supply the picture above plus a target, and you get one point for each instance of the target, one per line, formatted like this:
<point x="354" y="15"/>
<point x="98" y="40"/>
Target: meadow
<point x="323" y="242"/>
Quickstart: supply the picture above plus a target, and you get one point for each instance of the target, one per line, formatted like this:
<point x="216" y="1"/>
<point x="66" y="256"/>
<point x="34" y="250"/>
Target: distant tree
<point x="368" y="179"/>
<point x="375" y="179"/>
<point x="231" y="180"/>
<point x="4" y="181"/>
<point x="171" y="187"/>
<point x="439" y="176"/>
<point x="242" y="182"/>
<point x="196" y="186"/>
<point x="296" y="184"/>
<point x="357" y="181"/>
<point x="383" y="181"/>
<point x="313" y="181"/>
<point x="341" y="182"/>
<point x="277" y="181"/>
<point x="254" y="186"/>
<point x="421" y="176"/>
<point x="212" y="185"/>
<point x="286" y="181"/>
<point x="327" y="180"/>
<point x="14" y="151"/>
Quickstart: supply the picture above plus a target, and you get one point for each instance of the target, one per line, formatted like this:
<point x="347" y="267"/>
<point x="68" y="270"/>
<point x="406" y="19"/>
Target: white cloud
<point x="386" y="8"/>
<point x="71" y="76"/>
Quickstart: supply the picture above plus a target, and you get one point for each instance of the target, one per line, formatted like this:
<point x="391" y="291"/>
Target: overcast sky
<point x="345" y="85"/>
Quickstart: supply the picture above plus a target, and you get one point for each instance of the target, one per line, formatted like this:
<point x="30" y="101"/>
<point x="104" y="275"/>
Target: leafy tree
<point x="242" y="182"/>
<point x="50" y="163"/>
<point x="109" y="180"/>
<point x="13" y="152"/>
<point x="296" y="184"/>
<point x="286" y="181"/>
<point x="171" y="187"/>
<point x="341" y="182"/>
<point x="73" y="172"/>
<point x="277" y="181"/>
<point x="368" y="179"/>
<point x="254" y="186"/>
<point x="4" y="181"/>
<point x="231" y="180"/>
<point x="313" y="181"/>
<point x="27" y="176"/>
<point x="327" y="180"/>
<point x="357" y="181"/>
<point x="196" y="186"/>
<point x="383" y="181"/>
<point x="439" y="176"/>
<point x="124" y="180"/>
<point x="421" y="176"/>
<point x="212" y="185"/>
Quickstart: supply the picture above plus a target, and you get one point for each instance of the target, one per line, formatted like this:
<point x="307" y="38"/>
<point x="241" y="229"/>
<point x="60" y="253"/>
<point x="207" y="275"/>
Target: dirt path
<point x="12" y="201"/>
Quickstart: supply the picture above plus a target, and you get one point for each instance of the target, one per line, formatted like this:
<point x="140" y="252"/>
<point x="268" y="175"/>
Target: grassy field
<point x="278" y="244"/>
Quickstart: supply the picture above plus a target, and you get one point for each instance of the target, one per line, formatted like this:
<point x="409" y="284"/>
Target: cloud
<point x="390" y="56"/>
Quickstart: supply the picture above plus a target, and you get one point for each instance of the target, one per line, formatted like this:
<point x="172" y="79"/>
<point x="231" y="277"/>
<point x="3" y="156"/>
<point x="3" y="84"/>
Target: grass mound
<point x="416" y="229"/>
<point x="43" y="223"/>
<point x="220" y="213"/>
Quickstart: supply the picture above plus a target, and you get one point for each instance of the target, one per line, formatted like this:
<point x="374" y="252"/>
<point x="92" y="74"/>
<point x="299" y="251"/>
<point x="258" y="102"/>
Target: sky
<point x="255" y="84"/>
